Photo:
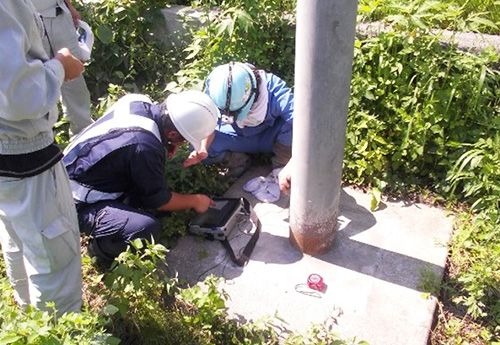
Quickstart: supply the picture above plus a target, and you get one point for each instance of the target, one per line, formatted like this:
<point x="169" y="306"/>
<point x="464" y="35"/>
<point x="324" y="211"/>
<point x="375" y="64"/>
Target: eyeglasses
<point x="227" y="110"/>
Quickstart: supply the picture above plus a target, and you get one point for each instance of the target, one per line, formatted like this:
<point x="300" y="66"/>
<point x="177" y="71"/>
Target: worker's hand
<point x="203" y="202"/>
<point x="74" y="13"/>
<point x="195" y="158"/>
<point x="285" y="179"/>
<point x="73" y="67"/>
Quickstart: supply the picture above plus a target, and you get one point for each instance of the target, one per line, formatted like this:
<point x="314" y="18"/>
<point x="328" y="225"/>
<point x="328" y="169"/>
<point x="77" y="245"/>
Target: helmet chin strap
<point x="227" y="109"/>
<point x="233" y="114"/>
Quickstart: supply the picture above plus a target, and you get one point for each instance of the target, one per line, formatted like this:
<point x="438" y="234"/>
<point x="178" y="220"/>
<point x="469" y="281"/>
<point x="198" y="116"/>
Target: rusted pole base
<point x="314" y="241"/>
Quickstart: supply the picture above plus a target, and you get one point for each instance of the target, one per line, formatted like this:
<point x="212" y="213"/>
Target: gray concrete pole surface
<point x="323" y="66"/>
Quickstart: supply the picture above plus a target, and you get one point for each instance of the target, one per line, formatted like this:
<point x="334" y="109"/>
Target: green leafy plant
<point x="44" y="327"/>
<point x="477" y="173"/>
<point x="136" y="278"/>
<point x="457" y="15"/>
<point x="412" y="101"/>
<point x="203" y="307"/>
<point x="429" y="282"/>
<point x="129" y="50"/>
<point x="321" y="334"/>
<point x="139" y="289"/>
<point x="152" y="309"/>
<point x="265" y="25"/>
<point x="476" y="254"/>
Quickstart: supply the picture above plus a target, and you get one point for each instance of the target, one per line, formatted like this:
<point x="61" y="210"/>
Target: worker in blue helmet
<point x="256" y="116"/>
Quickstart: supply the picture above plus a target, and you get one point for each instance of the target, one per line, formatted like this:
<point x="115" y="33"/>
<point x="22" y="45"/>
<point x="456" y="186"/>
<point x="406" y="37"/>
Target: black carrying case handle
<point x="247" y="251"/>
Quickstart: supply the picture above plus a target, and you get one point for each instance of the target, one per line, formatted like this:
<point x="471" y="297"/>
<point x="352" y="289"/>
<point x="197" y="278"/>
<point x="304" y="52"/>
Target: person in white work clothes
<point x="60" y="19"/>
<point x="39" y="232"/>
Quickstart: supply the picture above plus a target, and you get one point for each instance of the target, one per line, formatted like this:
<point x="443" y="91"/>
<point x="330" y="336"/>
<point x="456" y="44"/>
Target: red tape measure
<point x="315" y="281"/>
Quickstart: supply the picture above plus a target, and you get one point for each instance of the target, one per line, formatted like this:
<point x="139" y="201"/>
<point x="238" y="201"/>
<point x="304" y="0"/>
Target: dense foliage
<point x="416" y="108"/>
<point x="129" y="49"/>
<point x="457" y="15"/>
<point x="265" y="25"/>
<point x="425" y="115"/>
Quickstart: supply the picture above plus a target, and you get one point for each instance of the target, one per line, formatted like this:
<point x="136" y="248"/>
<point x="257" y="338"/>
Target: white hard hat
<point x="85" y="40"/>
<point x="194" y="114"/>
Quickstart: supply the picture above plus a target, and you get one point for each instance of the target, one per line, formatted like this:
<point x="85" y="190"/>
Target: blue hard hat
<point x="233" y="88"/>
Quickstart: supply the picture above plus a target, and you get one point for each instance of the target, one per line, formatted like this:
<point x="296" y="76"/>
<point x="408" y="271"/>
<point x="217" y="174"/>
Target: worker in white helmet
<point x="116" y="167"/>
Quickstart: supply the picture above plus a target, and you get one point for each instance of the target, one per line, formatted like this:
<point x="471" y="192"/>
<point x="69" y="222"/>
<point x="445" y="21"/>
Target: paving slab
<point x="375" y="275"/>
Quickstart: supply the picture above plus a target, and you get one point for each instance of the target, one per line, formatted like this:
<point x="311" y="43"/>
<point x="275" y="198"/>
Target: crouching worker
<point x="117" y="167"/>
<point x="257" y="117"/>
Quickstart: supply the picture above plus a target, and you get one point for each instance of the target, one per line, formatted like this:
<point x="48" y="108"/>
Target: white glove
<point x="265" y="189"/>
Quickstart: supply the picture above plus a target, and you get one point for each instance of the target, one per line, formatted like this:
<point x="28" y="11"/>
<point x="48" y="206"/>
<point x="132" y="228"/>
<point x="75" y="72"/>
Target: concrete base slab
<point x="376" y="275"/>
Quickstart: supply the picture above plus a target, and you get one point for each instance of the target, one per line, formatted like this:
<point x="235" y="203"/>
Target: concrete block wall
<point x="178" y="21"/>
<point x="178" y="18"/>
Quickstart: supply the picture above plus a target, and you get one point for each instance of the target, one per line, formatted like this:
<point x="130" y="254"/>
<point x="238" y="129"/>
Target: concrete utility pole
<point x="323" y="65"/>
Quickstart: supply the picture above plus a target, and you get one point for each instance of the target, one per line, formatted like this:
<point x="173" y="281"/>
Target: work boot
<point x="101" y="259"/>
<point x="236" y="163"/>
<point x="282" y="155"/>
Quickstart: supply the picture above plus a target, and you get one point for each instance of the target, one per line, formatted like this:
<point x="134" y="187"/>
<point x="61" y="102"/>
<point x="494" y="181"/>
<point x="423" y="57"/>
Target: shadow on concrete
<point x="194" y="259"/>
<point x="270" y="249"/>
<point x="369" y="259"/>
<point x="346" y="252"/>
<point x="373" y="272"/>
<point x="282" y="252"/>
<point x="360" y="219"/>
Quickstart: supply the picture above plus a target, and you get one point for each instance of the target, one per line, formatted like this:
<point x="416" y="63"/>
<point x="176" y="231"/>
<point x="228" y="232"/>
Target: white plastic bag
<point x="85" y="40"/>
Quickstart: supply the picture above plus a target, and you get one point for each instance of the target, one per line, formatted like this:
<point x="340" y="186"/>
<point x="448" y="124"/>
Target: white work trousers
<point x="75" y="95"/>
<point x="41" y="241"/>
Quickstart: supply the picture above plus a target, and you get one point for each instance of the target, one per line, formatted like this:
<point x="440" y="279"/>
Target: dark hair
<point x="166" y="121"/>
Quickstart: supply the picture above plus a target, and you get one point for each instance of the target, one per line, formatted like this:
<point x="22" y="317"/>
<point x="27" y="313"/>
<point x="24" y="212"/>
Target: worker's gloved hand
<point x="264" y="188"/>
<point x="195" y="158"/>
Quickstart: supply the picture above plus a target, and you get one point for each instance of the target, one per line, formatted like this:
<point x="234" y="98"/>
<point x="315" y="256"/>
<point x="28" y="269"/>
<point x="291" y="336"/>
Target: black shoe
<point x="101" y="260"/>
<point x="236" y="163"/>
